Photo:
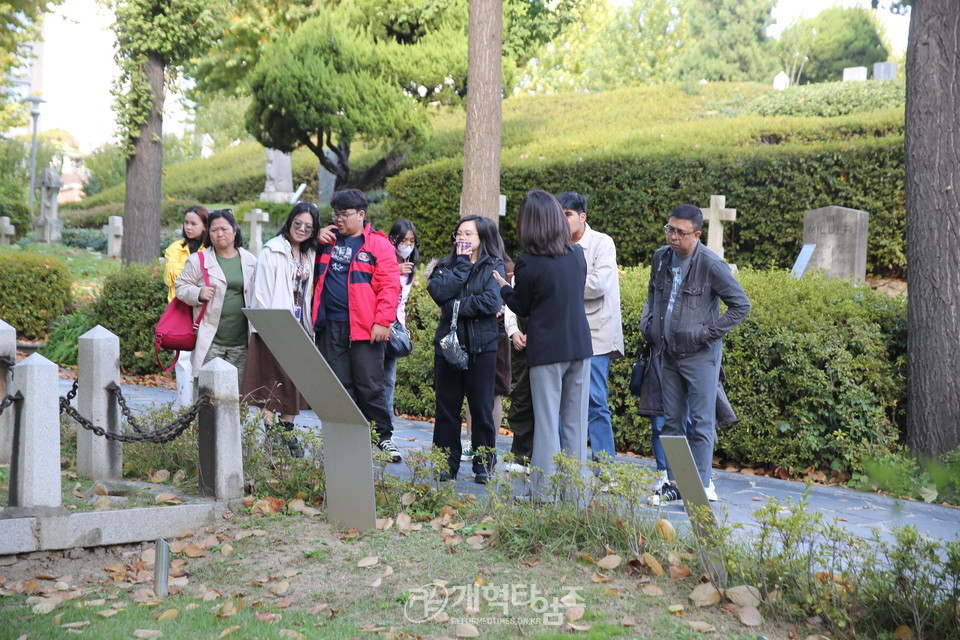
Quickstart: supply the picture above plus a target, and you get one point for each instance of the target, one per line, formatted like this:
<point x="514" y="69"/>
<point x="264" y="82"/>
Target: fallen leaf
<point x="652" y="590"/>
<point x="744" y="595"/>
<point x="229" y="630"/>
<point x="673" y="558"/>
<point x="179" y="476"/>
<point x="574" y="613"/>
<point x="903" y="632"/>
<point x="666" y="530"/>
<point x="289" y="573"/>
<point x="653" y="564"/>
<point x="369" y="561"/>
<point x="466" y="630"/>
<point x="680" y="572"/>
<point x="628" y="621"/>
<point x="701" y="627"/>
<point x="477" y="542"/>
<point x="586" y="557"/>
<point x="611" y="561"/>
<point x="46" y="605"/>
<point x="290" y="633"/>
<point x="226" y="549"/>
<point x="580" y="627"/>
<point x="531" y="563"/>
<point x="283" y="603"/>
<point x="76" y="625"/>
<point x="194" y="551"/>
<point x="705" y="595"/>
<point x="102" y="504"/>
<point x="99" y="489"/>
<point x="169" y="614"/>
<point x="147" y="633"/>
<point x="160" y="476"/>
<point x="599" y="577"/>
<point x="404" y="523"/>
<point x="168" y="498"/>
<point x="266" y="616"/>
<point x="611" y="591"/>
<point x="407" y="499"/>
<point x="106" y="613"/>
<point x="750" y="616"/>
<point x="149" y="556"/>
<point x="384" y="524"/>
<point x="676" y="609"/>
<point x="280" y="588"/>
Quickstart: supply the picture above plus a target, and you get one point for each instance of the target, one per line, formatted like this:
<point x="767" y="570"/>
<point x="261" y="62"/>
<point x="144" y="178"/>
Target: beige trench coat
<point x="188" y="285"/>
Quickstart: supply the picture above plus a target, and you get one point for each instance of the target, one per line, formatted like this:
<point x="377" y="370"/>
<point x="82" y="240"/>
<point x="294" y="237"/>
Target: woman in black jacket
<point x="467" y="275"/>
<point x="549" y="280"/>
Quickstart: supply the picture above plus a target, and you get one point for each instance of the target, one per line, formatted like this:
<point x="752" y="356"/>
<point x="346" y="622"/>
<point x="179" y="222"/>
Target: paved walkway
<point x="860" y="512"/>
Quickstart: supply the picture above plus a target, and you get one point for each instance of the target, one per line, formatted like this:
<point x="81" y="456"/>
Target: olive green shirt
<point x="232" y="330"/>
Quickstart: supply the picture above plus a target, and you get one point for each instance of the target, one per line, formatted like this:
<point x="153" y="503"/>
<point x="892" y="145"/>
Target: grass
<point x="88" y="268"/>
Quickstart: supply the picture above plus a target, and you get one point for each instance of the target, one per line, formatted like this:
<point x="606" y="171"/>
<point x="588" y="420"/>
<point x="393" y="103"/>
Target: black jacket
<point x="479" y="295"/>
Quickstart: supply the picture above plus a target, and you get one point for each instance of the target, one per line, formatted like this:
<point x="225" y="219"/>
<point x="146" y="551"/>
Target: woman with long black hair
<point x="403" y="236"/>
<point x="466" y="276"/>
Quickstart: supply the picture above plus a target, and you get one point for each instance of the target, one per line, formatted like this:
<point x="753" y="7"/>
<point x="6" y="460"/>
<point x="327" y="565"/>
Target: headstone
<point x="49" y="227"/>
<point x="114" y="231"/>
<point x="781" y="81"/>
<point x="841" y="238"/>
<point x="279" y="183"/>
<point x="327" y="182"/>
<point x="7" y="232"/>
<point x="257" y="218"/>
<point x="8" y="349"/>
<point x="884" y="70"/>
<point x="854" y="74"/>
<point x="99" y="365"/>
<point x="715" y="216"/>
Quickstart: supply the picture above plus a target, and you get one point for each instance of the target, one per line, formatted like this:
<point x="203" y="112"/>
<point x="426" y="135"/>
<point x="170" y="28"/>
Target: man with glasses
<point x="682" y="316"/>
<point x="355" y="300"/>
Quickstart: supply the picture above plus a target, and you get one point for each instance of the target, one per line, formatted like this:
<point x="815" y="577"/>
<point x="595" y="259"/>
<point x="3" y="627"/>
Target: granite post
<point x="221" y="455"/>
<point x="7" y="232"/>
<point x="8" y="349"/>
<point x="114" y="231"/>
<point x="99" y="360"/>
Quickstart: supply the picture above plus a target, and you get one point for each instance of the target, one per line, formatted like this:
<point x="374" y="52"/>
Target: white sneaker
<point x="514" y="467"/>
<point x="711" y="492"/>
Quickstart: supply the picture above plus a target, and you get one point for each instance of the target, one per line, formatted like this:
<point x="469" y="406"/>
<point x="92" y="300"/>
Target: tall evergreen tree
<point x="728" y="41"/>
<point x="838" y="38"/>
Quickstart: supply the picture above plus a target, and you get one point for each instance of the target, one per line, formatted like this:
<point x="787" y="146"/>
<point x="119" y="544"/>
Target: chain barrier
<point x="160" y="435"/>
<point x="7" y="362"/>
<point x="9" y="400"/>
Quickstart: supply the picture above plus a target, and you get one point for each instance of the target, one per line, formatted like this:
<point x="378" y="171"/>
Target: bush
<point x="17" y="211"/>
<point x="830" y="99"/>
<point x="93" y="239"/>
<point x="130" y="306"/>
<point x="62" y="346"/>
<point x="34" y="290"/>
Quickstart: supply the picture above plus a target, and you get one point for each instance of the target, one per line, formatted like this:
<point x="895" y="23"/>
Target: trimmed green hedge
<point x="816" y="372"/>
<point x="630" y="197"/>
<point x="828" y="99"/>
<point x="34" y="291"/>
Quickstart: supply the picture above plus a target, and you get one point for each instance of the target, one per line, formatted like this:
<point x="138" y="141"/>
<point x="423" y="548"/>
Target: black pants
<point x="520" y="415"/>
<point x="476" y="383"/>
<point x="358" y="364"/>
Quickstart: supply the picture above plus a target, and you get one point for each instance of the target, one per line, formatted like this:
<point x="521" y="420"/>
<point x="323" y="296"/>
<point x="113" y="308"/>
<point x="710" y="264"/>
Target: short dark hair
<point x="227" y="214"/>
<point x="542" y="229"/>
<point x="349" y="199"/>
<point x="573" y="201"/>
<point x="302" y="207"/>
<point x="691" y="213"/>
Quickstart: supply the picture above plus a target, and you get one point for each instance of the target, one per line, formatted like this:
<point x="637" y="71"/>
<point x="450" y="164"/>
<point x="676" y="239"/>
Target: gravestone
<point x="854" y="74"/>
<point x="781" y="81"/>
<point x="841" y="238"/>
<point x="257" y="218"/>
<point x="326" y="181"/>
<point x="279" y="183"/>
<point x="714" y="216"/>
<point x="49" y="227"/>
<point x="114" y="231"/>
<point x="7" y="232"/>
<point x="884" y="70"/>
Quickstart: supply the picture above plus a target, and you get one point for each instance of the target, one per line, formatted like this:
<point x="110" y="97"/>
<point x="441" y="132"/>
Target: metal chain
<point x="162" y="434"/>
<point x="115" y="388"/>
<point x="9" y="400"/>
<point x="7" y="362"/>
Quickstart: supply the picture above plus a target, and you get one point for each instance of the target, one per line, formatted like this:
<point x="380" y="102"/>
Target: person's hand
<point x="379" y="333"/>
<point x="406" y="268"/>
<point x="464" y="248"/>
<point x="326" y="235"/>
<point x="206" y="294"/>
<point x="499" y="279"/>
<point x="519" y="341"/>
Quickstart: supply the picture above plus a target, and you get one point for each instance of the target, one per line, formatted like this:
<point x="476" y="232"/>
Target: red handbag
<point x="177" y="330"/>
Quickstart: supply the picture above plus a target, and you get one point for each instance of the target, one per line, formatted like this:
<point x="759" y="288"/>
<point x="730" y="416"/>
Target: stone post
<point x="221" y="454"/>
<point x="8" y="349"/>
<point x="257" y="218"/>
<point x="35" y="471"/>
<point x="114" y="231"/>
<point x="99" y="360"/>
<point x="7" y="232"/>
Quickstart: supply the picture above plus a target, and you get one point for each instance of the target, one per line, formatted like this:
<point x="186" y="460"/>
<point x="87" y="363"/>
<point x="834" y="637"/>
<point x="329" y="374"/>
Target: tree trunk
<point x="932" y="155"/>
<point x="481" y="148"/>
<point x="374" y="177"/>
<point x="141" y="205"/>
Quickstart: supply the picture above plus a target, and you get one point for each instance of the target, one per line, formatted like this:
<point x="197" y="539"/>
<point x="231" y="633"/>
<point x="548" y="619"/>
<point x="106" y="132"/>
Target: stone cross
<point x="257" y="219"/>
<point x="114" y="231"/>
<point x="326" y="181"/>
<point x="7" y="232"/>
<point x="278" y="186"/>
<point x="715" y="216"/>
<point x="49" y="227"/>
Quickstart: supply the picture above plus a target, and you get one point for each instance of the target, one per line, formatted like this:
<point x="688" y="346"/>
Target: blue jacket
<point x="696" y="318"/>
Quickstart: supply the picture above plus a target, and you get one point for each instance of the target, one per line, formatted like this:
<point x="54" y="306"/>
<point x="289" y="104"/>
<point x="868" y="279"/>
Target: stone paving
<point x="859" y="512"/>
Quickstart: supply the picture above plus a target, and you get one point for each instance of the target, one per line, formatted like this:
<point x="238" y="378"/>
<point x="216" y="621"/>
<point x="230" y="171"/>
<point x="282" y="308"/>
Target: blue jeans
<point x="389" y="380"/>
<point x="599" y="426"/>
<point x="656" y="428"/>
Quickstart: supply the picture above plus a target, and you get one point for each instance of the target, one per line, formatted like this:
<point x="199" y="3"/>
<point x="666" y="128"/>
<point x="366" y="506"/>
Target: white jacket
<point x="601" y="294"/>
<point x="273" y="282"/>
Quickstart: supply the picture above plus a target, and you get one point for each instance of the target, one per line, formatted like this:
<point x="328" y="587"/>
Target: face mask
<point x="404" y="251"/>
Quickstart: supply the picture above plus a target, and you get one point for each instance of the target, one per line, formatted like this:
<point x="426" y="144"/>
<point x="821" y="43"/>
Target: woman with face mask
<point x="404" y="237"/>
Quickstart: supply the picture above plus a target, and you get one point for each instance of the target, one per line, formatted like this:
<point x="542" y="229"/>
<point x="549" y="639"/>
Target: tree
<point x="154" y="37"/>
<point x="326" y="86"/>
<point x="728" y="41"/>
<point x="19" y="25"/>
<point x="932" y="162"/>
<point x="840" y="38"/>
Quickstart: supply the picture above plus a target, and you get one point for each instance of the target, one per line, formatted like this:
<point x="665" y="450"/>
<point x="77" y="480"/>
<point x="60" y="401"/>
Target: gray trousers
<point x="690" y="384"/>
<point x="559" y="388"/>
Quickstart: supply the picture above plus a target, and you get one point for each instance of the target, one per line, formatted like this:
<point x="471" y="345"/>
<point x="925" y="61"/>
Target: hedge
<point x="830" y="99"/>
<point x="630" y="197"/>
<point x="34" y="291"/>
<point x="816" y="372"/>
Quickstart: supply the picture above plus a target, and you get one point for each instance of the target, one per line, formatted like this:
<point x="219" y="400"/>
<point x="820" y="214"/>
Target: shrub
<point x="17" y="211"/>
<point x="93" y="239"/>
<point x="62" y="346"/>
<point x="130" y="306"/>
<point x="830" y="99"/>
<point x="34" y="290"/>
<point x="414" y="394"/>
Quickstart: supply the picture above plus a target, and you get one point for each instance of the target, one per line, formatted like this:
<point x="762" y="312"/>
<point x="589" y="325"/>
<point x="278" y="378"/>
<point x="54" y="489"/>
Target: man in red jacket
<point x="354" y="302"/>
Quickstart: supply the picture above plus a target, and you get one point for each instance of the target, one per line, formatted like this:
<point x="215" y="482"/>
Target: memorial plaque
<point x="841" y="238"/>
<point x="884" y="70"/>
<point x="855" y="74"/>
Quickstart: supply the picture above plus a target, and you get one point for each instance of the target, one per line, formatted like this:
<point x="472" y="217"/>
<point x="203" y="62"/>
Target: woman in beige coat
<point x="223" y="330"/>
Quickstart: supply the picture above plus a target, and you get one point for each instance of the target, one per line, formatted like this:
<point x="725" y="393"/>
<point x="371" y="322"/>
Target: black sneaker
<point x="387" y="446"/>
<point x="296" y="451"/>
<point x="667" y="493"/>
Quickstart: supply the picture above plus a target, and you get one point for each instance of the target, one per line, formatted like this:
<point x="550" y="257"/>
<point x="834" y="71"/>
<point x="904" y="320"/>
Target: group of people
<point x="557" y="306"/>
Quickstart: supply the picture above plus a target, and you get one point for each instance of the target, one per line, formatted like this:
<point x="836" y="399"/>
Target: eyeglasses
<point x="463" y="234"/>
<point x="303" y="227"/>
<point x="343" y="214"/>
<point x="673" y="231"/>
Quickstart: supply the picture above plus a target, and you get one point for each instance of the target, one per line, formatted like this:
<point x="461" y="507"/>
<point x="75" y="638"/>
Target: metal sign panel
<point x="696" y="504"/>
<point x="347" y="451"/>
